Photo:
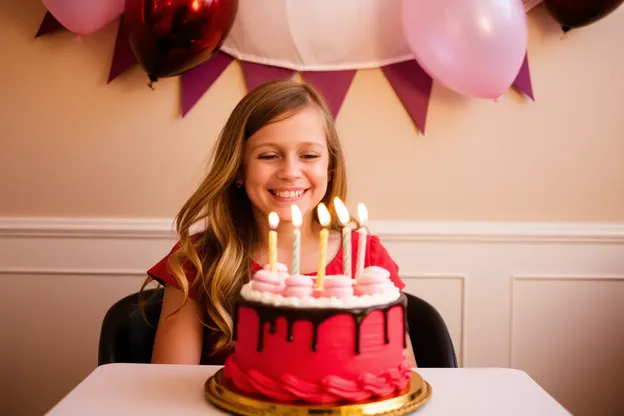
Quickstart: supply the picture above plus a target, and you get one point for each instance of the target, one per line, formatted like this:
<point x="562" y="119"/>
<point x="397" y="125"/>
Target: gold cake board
<point x="222" y="394"/>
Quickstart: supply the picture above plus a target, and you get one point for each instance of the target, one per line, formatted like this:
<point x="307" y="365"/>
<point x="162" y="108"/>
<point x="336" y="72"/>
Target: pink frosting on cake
<point x="337" y="286"/>
<point x="374" y="280"/>
<point x="299" y="286"/>
<point x="266" y="281"/>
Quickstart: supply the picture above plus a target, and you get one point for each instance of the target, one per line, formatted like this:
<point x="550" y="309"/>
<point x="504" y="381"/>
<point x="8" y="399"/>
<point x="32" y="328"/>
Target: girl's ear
<point x="239" y="178"/>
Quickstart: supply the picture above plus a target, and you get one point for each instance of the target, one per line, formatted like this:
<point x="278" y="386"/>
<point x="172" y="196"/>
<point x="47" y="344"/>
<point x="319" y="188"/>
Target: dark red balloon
<point x="576" y="13"/>
<point x="169" y="37"/>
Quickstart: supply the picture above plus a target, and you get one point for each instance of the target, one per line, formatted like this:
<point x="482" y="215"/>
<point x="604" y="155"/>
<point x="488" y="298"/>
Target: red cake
<point x="296" y="343"/>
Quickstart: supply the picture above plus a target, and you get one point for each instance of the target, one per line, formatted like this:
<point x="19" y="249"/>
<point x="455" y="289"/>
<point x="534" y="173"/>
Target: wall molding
<point x="543" y="277"/>
<point x="399" y="231"/>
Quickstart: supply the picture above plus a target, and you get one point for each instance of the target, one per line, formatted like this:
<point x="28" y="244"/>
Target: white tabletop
<point x="149" y="389"/>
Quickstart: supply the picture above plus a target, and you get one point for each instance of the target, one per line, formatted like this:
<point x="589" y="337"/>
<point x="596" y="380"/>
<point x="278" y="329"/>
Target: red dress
<point x="376" y="255"/>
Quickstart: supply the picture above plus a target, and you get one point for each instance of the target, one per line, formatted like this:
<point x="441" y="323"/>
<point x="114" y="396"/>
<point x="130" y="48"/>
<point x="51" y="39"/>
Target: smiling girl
<point x="279" y="147"/>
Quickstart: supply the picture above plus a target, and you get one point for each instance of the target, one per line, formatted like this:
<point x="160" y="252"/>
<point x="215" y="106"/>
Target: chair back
<point x="126" y="337"/>
<point x="431" y="341"/>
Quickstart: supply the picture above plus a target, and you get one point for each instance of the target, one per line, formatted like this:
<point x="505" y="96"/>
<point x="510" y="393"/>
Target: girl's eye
<point x="267" y="156"/>
<point x="310" y="156"/>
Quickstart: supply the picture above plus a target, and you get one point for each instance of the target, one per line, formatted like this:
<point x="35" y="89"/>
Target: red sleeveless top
<point x="376" y="255"/>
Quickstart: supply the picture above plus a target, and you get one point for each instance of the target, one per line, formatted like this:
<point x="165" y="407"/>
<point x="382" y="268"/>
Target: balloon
<point x="84" y="16"/>
<point x="577" y="13"/>
<point x="474" y="47"/>
<point x="169" y="37"/>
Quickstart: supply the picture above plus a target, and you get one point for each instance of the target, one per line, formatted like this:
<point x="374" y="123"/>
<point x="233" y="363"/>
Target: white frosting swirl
<point x="390" y="294"/>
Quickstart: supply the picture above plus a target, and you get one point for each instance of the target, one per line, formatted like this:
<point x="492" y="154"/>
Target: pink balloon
<point x="84" y="16"/>
<point x="474" y="47"/>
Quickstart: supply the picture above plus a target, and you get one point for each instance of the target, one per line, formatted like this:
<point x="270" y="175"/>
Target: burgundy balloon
<point x="169" y="37"/>
<point x="576" y="13"/>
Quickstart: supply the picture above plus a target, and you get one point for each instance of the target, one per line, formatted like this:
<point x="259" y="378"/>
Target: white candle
<point x="344" y="217"/>
<point x="362" y="232"/>
<point x="273" y="223"/>
<point x="325" y="220"/>
<point x="296" y="255"/>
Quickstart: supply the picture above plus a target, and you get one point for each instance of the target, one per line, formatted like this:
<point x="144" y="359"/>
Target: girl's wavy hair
<point x="220" y="253"/>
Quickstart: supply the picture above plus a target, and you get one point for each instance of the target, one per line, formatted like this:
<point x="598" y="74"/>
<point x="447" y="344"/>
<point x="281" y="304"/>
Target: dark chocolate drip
<point x="405" y="326"/>
<point x="235" y="321"/>
<point x="289" y="336"/>
<point x="260" y="344"/>
<point x="316" y="316"/>
<point x="358" y="324"/>
<point x="385" y="315"/>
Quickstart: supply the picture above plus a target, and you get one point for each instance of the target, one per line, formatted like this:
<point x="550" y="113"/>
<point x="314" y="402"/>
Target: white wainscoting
<point x="547" y="298"/>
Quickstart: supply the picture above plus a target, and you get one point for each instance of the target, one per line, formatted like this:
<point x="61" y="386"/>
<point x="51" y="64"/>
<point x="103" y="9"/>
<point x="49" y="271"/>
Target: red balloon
<point x="169" y="37"/>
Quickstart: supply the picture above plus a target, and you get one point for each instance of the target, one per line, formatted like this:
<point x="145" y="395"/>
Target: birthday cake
<point x="339" y="342"/>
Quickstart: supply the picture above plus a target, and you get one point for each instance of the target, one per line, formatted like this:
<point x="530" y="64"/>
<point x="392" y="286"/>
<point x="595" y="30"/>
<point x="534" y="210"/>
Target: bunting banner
<point x="413" y="87"/>
<point x="302" y="49"/>
<point x="333" y="85"/>
<point x="49" y="24"/>
<point x="123" y="57"/>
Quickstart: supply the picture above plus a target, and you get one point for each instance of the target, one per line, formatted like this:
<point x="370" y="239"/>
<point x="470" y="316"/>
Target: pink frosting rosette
<point x="337" y="286"/>
<point x="266" y="281"/>
<point x="373" y="280"/>
<point x="299" y="286"/>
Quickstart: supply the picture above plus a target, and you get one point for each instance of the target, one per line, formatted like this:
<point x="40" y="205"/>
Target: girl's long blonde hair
<point x="221" y="252"/>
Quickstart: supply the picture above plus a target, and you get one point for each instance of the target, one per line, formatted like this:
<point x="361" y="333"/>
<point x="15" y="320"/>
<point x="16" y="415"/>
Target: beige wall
<point x="74" y="146"/>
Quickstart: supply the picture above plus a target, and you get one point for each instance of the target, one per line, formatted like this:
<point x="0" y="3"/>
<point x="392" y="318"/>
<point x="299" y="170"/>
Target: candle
<point x="344" y="217"/>
<point x="362" y="231"/>
<point x="325" y="220"/>
<point x="296" y="255"/>
<point x="273" y="223"/>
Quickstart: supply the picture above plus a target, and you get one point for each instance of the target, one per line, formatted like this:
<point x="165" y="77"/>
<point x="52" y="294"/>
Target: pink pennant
<point x="196" y="81"/>
<point x="257" y="74"/>
<point x="49" y="24"/>
<point x="123" y="57"/>
<point x="413" y="87"/>
<point x="523" y="79"/>
<point x="332" y="84"/>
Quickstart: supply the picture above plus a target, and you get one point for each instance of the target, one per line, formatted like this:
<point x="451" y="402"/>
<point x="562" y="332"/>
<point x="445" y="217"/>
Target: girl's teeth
<point x="289" y="194"/>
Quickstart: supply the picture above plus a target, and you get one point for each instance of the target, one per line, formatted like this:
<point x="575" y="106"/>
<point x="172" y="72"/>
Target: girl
<point x="279" y="147"/>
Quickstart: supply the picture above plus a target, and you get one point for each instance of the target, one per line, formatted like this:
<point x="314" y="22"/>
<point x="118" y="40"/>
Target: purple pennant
<point x="523" y="79"/>
<point x="123" y="57"/>
<point x="257" y="74"/>
<point x="332" y="84"/>
<point x="49" y="24"/>
<point x="196" y="81"/>
<point x="413" y="87"/>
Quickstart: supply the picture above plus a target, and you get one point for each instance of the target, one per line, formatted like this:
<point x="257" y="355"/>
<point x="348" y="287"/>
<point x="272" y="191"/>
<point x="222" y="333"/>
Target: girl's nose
<point x="290" y="169"/>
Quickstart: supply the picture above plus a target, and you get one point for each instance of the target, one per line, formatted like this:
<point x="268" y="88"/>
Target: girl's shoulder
<point x="162" y="273"/>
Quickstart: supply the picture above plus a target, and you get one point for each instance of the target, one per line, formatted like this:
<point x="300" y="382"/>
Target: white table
<point x="149" y="389"/>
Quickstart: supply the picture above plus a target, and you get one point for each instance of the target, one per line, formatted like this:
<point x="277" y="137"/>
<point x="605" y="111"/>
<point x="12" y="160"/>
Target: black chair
<point x="125" y="337"/>
<point x="431" y="341"/>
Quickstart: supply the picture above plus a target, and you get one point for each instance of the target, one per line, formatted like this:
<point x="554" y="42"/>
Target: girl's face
<point x="285" y="163"/>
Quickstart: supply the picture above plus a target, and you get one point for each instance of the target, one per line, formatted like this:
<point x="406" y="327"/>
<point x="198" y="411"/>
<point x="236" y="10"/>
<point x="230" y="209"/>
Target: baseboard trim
<point x="163" y="228"/>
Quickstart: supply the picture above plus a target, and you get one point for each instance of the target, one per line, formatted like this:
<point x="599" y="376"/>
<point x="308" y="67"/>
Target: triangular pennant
<point x="257" y="74"/>
<point x="332" y="84"/>
<point x="196" y="81"/>
<point x="523" y="79"/>
<point x="413" y="87"/>
<point x="49" y="24"/>
<point x="123" y="57"/>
